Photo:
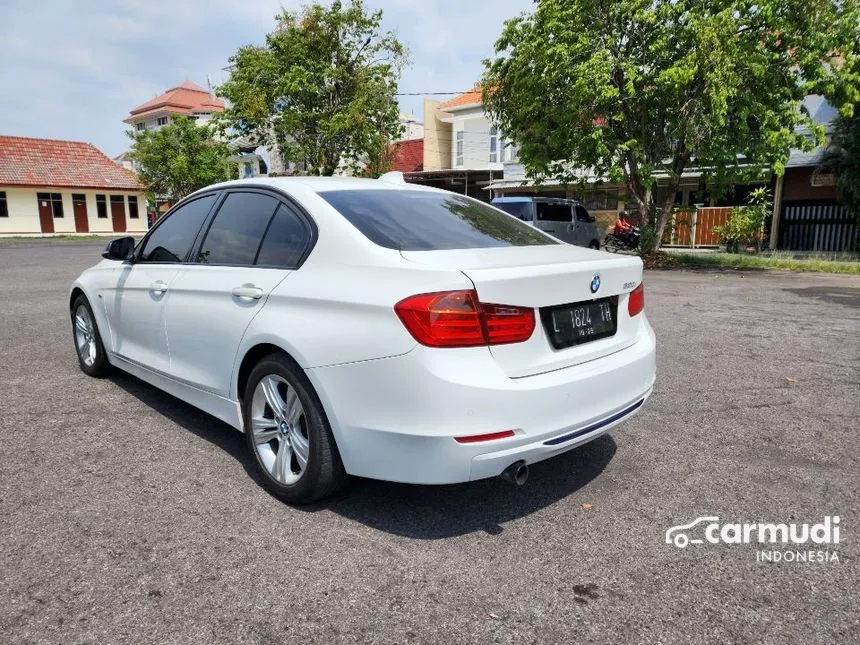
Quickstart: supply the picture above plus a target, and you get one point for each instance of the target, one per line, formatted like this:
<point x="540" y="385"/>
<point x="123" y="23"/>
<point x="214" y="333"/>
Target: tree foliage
<point x="322" y="89"/>
<point x="843" y="159"/>
<point x="179" y="158"/>
<point x="629" y="91"/>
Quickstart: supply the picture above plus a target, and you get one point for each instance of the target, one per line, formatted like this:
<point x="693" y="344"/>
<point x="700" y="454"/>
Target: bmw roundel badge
<point x="595" y="283"/>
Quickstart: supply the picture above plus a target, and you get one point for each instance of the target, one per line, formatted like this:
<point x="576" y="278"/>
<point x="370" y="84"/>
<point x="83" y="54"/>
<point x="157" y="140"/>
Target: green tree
<point x="322" y="89"/>
<point x="631" y="90"/>
<point x="179" y="158"/>
<point x="843" y="159"/>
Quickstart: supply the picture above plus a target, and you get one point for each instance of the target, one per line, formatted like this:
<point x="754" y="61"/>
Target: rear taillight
<point x="459" y="319"/>
<point x="636" y="300"/>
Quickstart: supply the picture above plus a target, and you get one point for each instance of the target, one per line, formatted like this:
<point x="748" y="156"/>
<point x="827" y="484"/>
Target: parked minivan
<point x="565" y="219"/>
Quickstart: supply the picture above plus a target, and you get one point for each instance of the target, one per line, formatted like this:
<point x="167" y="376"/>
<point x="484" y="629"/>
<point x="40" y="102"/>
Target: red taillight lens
<point x="459" y="319"/>
<point x="477" y="438"/>
<point x="636" y="300"/>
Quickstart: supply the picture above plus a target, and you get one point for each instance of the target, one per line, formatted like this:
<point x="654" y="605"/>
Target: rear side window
<point x="237" y="230"/>
<point x="550" y="212"/>
<point x="285" y="241"/>
<point x="172" y="240"/>
<point x="412" y="220"/>
<point x="521" y="210"/>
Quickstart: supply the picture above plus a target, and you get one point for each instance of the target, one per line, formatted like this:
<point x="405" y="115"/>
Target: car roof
<point x="321" y="184"/>
<point x="528" y="198"/>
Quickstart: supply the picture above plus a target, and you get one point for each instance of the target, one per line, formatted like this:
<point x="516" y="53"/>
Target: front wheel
<point x="288" y="434"/>
<point x="88" y="341"/>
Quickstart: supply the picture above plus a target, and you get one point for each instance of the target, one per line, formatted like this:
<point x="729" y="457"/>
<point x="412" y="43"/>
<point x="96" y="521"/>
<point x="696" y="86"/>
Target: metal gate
<point x="817" y="226"/>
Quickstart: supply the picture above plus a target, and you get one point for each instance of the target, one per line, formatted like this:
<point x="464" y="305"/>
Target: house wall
<point x="797" y="186"/>
<point x="476" y="141"/>
<point x="24" y="211"/>
<point x="437" y="137"/>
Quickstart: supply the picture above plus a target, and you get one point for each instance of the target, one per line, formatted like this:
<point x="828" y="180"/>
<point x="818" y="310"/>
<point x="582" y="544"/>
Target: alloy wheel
<point x="85" y="335"/>
<point x="279" y="430"/>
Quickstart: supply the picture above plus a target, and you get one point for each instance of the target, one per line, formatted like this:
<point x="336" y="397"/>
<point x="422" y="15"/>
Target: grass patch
<point x="783" y="261"/>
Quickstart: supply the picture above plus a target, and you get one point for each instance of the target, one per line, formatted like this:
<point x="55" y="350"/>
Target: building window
<point x="458" y="161"/>
<point x="101" y="206"/>
<point x="162" y="120"/>
<point x="4" y="205"/>
<point x="140" y="127"/>
<point x="56" y="201"/>
<point x="132" y="207"/>
<point x="494" y="144"/>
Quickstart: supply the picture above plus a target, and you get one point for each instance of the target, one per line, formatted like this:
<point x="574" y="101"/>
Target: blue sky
<point x="73" y="70"/>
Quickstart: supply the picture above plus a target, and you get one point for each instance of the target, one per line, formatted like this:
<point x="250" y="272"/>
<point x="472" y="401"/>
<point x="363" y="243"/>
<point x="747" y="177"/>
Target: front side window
<point x="460" y="145"/>
<point x="237" y="230"/>
<point x="174" y="236"/>
<point x="553" y="212"/>
<point x="494" y="144"/>
<point x="582" y="215"/>
<point x="414" y="220"/>
<point x="101" y="206"/>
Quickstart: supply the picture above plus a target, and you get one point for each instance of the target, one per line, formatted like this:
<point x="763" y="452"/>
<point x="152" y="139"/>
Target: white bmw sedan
<point x="372" y="328"/>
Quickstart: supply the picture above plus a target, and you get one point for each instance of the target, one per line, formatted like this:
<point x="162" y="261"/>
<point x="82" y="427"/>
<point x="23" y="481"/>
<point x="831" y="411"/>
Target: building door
<point x="46" y="213"/>
<point x="117" y="213"/>
<point x="79" y="207"/>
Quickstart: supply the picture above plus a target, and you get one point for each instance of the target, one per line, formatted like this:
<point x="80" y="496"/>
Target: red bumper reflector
<point x="476" y="438"/>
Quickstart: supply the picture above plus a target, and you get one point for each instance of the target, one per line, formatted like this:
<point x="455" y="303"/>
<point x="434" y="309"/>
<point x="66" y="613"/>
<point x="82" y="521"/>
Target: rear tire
<point x="88" y="341"/>
<point x="288" y="434"/>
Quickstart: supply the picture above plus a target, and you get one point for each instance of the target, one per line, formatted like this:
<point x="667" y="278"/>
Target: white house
<point x="49" y="186"/>
<point x="186" y="99"/>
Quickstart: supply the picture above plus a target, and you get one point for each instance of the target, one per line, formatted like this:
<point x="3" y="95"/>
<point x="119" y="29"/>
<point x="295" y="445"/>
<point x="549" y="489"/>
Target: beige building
<point x="65" y="187"/>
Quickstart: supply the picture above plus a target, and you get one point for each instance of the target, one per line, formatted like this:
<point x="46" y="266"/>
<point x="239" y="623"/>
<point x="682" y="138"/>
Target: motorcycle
<point x="628" y="240"/>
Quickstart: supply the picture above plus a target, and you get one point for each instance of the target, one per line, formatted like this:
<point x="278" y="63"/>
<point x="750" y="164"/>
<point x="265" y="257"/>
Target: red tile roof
<point x="185" y="98"/>
<point x="408" y="155"/>
<point x="25" y="161"/>
<point x="467" y="98"/>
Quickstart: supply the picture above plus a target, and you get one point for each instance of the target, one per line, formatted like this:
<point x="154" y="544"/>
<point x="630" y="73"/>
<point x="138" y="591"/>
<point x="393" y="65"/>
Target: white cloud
<point x="74" y="70"/>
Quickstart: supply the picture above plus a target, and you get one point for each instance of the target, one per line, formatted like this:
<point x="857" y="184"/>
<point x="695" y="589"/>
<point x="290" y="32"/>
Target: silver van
<point x="565" y="219"/>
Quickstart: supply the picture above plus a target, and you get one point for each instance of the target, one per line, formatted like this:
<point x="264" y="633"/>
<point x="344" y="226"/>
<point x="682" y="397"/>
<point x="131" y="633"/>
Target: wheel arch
<point x="73" y="295"/>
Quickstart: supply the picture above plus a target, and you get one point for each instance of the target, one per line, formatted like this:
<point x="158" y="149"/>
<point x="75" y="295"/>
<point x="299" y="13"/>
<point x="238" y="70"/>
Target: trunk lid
<point x="545" y="276"/>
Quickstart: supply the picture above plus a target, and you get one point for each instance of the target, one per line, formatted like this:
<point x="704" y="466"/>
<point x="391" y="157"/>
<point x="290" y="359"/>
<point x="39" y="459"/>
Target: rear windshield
<point x="520" y="210"/>
<point x="413" y="220"/>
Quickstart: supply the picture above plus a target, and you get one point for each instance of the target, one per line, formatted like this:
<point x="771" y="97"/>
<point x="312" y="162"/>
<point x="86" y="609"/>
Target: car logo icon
<point x="595" y="283"/>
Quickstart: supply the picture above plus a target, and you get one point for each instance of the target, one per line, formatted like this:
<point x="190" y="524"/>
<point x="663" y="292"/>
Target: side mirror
<point x="592" y="219"/>
<point x="119" y="249"/>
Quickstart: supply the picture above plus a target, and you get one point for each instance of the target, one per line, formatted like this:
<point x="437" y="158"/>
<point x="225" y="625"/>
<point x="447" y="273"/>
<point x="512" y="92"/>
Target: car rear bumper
<point x="396" y="418"/>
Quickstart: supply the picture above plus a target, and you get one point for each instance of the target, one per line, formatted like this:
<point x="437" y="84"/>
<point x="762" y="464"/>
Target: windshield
<point x="520" y="210"/>
<point x="414" y="220"/>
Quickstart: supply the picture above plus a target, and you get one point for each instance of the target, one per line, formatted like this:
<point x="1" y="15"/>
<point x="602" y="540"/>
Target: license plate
<point x="580" y="322"/>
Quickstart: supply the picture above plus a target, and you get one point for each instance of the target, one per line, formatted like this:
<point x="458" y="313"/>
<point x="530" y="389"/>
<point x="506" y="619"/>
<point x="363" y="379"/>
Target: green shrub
<point x="743" y="227"/>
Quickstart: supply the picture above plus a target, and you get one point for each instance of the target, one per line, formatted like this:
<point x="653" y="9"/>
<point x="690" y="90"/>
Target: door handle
<point x="158" y="287"/>
<point x="248" y="291"/>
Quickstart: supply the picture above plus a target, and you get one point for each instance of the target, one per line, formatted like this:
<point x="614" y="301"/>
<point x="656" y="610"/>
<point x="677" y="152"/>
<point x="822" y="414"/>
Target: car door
<point x="253" y="242"/>
<point x="556" y="219"/>
<point x="135" y="306"/>
<point x="585" y="229"/>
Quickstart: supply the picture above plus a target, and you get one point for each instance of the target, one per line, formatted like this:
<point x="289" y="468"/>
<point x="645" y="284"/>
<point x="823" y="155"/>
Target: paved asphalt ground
<point x="128" y="516"/>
